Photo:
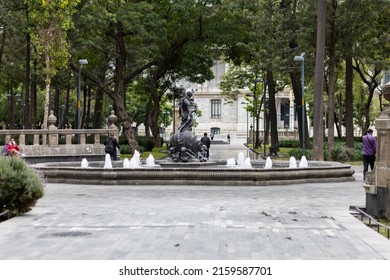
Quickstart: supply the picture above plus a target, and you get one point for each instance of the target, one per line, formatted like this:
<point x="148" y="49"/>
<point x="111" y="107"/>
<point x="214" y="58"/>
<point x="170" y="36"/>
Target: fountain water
<point x="231" y="162"/>
<point x="135" y="161"/>
<point x="241" y="162"/>
<point x="241" y="159"/>
<point x="247" y="163"/>
<point x="107" y="162"/>
<point x="126" y="163"/>
<point x="84" y="163"/>
<point x="268" y="163"/>
<point x="292" y="163"/>
<point x="150" y="161"/>
<point x="303" y="162"/>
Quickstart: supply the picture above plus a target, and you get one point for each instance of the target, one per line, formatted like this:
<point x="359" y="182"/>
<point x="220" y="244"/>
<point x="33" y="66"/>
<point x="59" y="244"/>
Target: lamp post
<point x="81" y="63"/>
<point x="247" y="124"/>
<point x="255" y="124"/>
<point x="301" y="58"/>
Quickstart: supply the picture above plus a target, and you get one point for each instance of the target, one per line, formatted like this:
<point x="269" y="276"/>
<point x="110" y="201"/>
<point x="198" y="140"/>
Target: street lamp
<point x="247" y="124"/>
<point x="255" y="124"/>
<point x="81" y="63"/>
<point x="301" y="58"/>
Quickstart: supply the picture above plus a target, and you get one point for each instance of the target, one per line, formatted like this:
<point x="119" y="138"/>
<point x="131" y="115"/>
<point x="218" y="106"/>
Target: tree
<point x="51" y="20"/>
<point x="318" y="125"/>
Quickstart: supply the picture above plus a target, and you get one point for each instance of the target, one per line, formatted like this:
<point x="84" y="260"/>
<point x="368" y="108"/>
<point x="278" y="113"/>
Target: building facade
<point x="221" y="118"/>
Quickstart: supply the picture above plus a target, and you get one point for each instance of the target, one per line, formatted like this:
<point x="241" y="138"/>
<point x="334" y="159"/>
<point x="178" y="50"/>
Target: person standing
<point x="205" y="140"/>
<point x="111" y="146"/>
<point x="369" y="151"/>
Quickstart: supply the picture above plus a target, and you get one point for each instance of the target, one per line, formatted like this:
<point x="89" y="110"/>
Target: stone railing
<point x="61" y="142"/>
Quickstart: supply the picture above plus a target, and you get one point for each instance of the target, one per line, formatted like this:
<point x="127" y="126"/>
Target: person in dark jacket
<point x="369" y="151"/>
<point x="205" y="140"/>
<point x="111" y="146"/>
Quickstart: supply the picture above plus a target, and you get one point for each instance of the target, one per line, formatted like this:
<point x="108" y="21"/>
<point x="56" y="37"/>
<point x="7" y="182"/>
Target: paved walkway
<point x="304" y="221"/>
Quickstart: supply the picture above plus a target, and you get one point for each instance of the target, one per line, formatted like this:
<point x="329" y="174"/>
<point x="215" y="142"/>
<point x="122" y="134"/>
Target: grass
<point x="157" y="152"/>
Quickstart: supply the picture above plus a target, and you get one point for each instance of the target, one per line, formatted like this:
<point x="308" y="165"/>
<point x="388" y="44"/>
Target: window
<point x="387" y="77"/>
<point x="215" y="130"/>
<point x="215" y="108"/>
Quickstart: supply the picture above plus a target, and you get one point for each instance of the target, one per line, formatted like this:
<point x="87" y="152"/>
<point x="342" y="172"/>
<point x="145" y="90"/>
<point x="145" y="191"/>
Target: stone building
<point x="221" y="118"/>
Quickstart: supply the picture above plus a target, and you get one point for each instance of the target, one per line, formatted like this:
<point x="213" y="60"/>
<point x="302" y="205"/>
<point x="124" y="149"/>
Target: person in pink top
<point x="369" y="151"/>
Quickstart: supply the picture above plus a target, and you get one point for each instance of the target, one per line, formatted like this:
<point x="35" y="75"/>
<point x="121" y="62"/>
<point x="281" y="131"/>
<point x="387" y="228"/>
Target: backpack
<point x="5" y="153"/>
<point x="109" y="146"/>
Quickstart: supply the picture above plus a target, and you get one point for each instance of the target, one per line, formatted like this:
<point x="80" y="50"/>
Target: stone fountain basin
<point x="195" y="173"/>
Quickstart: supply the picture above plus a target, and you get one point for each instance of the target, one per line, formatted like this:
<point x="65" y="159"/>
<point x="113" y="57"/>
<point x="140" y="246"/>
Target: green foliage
<point x="125" y="149"/>
<point x="289" y="143"/>
<point x="342" y="153"/>
<point x="146" y="143"/>
<point x="297" y="153"/>
<point x="20" y="186"/>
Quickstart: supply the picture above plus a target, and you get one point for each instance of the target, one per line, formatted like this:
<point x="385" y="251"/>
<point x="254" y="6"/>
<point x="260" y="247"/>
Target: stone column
<point x="377" y="183"/>
<point x="53" y="130"/>
<point x="111" y="123"/>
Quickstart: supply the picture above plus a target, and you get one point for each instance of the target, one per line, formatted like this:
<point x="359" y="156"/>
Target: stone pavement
<point x="302" y="221"/>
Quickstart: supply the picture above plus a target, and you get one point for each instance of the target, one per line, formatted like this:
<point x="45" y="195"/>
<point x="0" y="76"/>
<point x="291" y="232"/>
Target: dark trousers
<point x="368" y="160"/>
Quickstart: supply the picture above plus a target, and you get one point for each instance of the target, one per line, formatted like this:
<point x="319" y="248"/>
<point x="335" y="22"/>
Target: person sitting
<point x="12" y="148"/>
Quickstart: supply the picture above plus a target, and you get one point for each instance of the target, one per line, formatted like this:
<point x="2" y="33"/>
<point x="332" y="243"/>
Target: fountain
<point x="292" y="163"/>
<point x="84" y="163"/>
<point x="241" y="162"/>
<point x="192" y="168"/>
<point x="135" y="161"/>
<point x="303" y="163"/>
<point x="241" y="159"/>
<point x="223" y="172"/>
<point x="231" y="162"/>
<point x="268" y="163"/>
<point x="247" y="163"/>
<point x="107" y="162"/>
<point x="126" y="163"/>
<point x="150" y="161"/>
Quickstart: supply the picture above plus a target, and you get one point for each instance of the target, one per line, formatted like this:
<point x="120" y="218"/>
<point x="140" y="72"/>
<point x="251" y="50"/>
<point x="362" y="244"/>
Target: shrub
<point x="20" y="186"/>
<point x="297" y="153"/>
<point x="125" y="149"/>
<point x="289" y="143"/>
<point x="146" y="143"/>
<point x="342" y="153"/>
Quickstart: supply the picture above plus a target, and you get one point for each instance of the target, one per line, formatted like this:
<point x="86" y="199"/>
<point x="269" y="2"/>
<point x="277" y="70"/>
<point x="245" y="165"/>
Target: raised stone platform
<point x="195" y="173"/>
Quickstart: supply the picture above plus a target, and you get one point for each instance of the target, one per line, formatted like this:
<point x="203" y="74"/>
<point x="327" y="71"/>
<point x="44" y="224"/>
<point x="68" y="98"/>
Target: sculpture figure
<point x="187" y="109"/>
<point x="182" y="146"/>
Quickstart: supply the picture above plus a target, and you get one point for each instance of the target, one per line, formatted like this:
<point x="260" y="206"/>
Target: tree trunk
<point x="318" y="110"/>
<point x="272" y="110"/>
<point x="155" y="112"/>
<point x="27" y="108"/>
<point x="47" y="91"/>
<point x="98" y="115"/>
<point x="297" y="89"/>
<point x="349" y="133"/>
<point x="332" y="80"/>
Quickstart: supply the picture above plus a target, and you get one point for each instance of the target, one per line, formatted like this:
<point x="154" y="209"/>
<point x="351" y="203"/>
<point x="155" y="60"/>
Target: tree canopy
<point x="138" y="50"/>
